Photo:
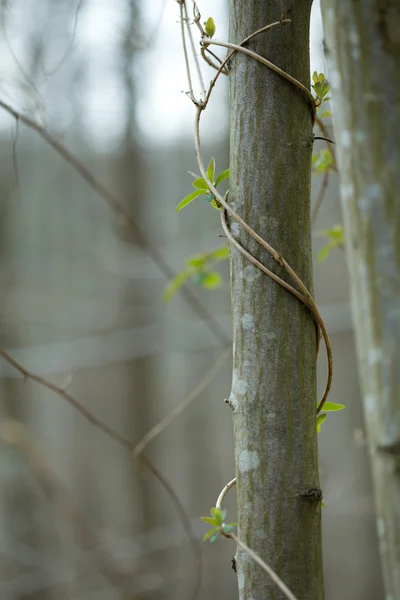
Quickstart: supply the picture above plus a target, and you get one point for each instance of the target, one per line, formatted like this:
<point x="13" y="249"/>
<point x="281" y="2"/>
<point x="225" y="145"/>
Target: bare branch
<point x="275" y="578"/>
<point x="124" y="443"/>
<point x="178" y="410"/>
<point x="70" y="44"/>
<point x="320" y="197"/>
<point x="14" y="434"/>
<point x="119" y="210"/>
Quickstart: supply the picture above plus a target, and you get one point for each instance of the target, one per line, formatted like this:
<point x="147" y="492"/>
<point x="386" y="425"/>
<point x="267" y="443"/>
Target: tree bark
<point x="363" y="49"/>
<point x="273" y="388"/>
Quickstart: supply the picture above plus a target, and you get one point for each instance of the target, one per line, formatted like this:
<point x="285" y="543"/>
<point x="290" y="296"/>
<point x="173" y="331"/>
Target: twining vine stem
<point x="304" y="295"/>
<point x="274" y="576"/>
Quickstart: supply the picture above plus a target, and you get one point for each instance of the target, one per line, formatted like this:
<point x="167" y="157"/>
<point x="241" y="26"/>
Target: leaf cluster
<point x="321" y="88"/>
<point x="199" y="271"/>
<point x="217" y="522"/>
<point x="335" y="236"/>
<point x="201" y="187"/>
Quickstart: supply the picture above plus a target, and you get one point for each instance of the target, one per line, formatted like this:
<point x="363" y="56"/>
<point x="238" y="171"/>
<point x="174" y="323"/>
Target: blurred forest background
<point x="81" y="304"/>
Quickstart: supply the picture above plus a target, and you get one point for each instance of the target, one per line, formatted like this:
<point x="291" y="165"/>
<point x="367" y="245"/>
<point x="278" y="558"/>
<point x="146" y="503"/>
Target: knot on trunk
<point x="313" y="494"/>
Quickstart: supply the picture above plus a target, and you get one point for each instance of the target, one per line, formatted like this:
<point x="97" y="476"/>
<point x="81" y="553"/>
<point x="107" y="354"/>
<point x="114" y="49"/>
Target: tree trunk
<point x="273" y="389"/>
<point x="363" y="47"/>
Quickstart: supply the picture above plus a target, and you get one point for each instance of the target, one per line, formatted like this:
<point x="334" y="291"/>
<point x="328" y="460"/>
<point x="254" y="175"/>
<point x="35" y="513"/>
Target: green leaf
<point x="175" y="284"/>
<point x="315" y="77"/>
<point x="326" y="114"/>
<point x="320" y="420"/>
<point x="336" y="233"/>
<point x="212" y="280"/>
<point x="317" y="87"/>
<point x="331" y="406"/>
<point x="209" y="534"/>
<point x="210" y="27"/>
<point x="325" y="89"/>
<point x="200" y="184"/>
<point x="209" y="520"/>
<point x="325" y="252"/>
<point x="323" y="505"/>
<point x="221" y="177"/>
<point x="216" y="204"/>
<point x="219" y="515"/>
<point x="211" y="170"/>
<point x="199" y="261"/>
<point x="321" y="78"/>
<point x="214" y="537"/>
<point x="189" y="199"/>
<point x="220" y="253"/>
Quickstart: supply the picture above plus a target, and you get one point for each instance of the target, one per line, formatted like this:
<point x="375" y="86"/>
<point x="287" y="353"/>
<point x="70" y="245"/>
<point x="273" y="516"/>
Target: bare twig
<point x="39" y="102"/>
<point x="275" y="578"/>
<point x="204" y="52"/>
<point x="123" y="442"/>
<point x="196" y="61"/>
<point x="269" y="570"/>
<point x="239" y="48"/>
<point x="321" y="137"/>
<point x="178" y="410"/>
<point x="119" y="210"/>
<point x="226" y="489"/>
<point x="226" y="60"/>
<point x="70" y="44"/>
<point x="14" y="434"/>
<point x="320" y="197"/>
<point x="14" y="156"/>
<point x="182" y="6"/>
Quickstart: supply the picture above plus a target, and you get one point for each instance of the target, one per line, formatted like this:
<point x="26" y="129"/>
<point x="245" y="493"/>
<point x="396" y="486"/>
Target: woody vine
<point x="199" y="268"/>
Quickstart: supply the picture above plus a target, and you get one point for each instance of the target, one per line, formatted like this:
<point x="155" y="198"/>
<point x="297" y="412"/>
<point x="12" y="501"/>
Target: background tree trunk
<point x="363" y="47"/>
<point x="273" y="389"/>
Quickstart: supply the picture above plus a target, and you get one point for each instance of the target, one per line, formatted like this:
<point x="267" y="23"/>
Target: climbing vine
<point x="199" y="269"/>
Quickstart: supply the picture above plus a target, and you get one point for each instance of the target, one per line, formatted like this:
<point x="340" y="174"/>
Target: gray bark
<point x="273" y="389"/>
<point x="363" y="49"/>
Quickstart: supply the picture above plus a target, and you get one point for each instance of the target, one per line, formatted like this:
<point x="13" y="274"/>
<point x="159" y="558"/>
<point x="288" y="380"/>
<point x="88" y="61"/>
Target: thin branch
<point x="320" y="197"/>
<point x="119" y="210"/>
<point x="39" y="100"/>
<point x="226" y="489"/>
<point x="14" y="156"/>
<point x="275" y="578"/>
<point x="190" y="93"/>
<point x="269" y="570"/>
<point x="229" y="56"/>
<point x="267" y="63"/>
<point x="321" y="137"/>
<point x="14" y="434"/>
<point x="204" y="52"/>
<point x="256" y="262"/>
<point x="124" y="443"/>
<point x="196" y="60"/>
<point x="70" y="44"/>
<point x="178" y="410"/>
